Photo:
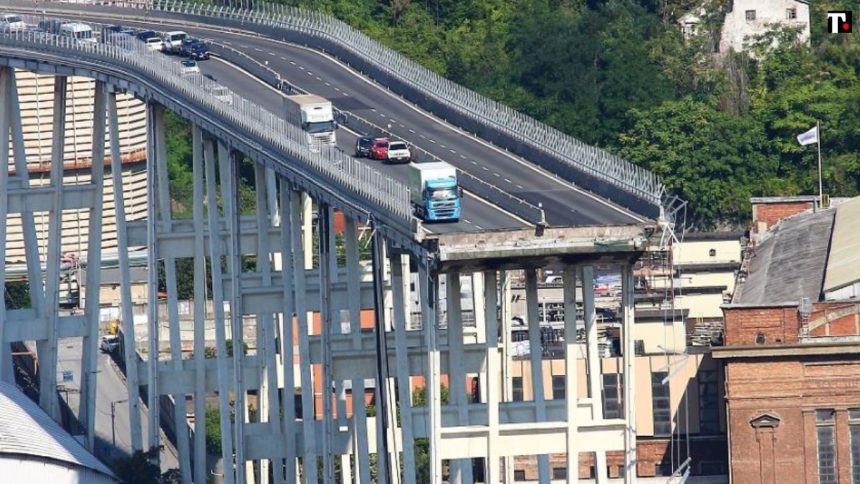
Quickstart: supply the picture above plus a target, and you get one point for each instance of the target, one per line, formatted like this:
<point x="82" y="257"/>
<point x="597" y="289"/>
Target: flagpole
<point x="820" y="183"/>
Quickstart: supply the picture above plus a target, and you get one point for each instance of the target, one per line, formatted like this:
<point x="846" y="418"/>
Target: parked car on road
<point x="189" y="66"/>
<point x="379" y="149"/>
<point x="398" y="152"/>
<point x="362" y="146"/>
<point x="194" y="48"/>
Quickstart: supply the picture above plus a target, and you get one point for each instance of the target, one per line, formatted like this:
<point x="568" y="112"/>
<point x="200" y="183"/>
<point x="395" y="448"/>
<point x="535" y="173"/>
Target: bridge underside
<point x="287" y="280"/>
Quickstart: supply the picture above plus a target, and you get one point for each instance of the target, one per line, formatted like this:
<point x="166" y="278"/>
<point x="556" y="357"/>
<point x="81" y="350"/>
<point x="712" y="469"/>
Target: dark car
<point x="362" y="146"/>
<point x="194" y="48"/>
<point x="146" y="34"/>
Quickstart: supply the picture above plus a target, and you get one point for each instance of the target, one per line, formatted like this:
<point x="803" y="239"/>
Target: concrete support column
<point x="507" y="360"/>
<point x="326" y="329"/>
<point x="461" y="469"/>
<point x="89" y="367"/>
<point x="492" y="376"/>
<point x="228" y="164"/>
<point x="163" y="192"/>
<point x="571" y="384"/>
<point x="5" y="122"/>
<point x="400" y="288"/>
<point x="218" y="305"/>
<point x="133" y="379"/>
<point x="300" y="261"/>
<point x="152" y="185"/>
<point x="47" y="349"/>
<point x="629" y="356"/>
<point x="268" y="394"/>
<point x="383" y="469"/>
<point x="536" y="359"/>
<point x="593" y="372"/>
<point x="200" y="472"/>
<point x="428" y="285"/>
<point x="288" y="219"/>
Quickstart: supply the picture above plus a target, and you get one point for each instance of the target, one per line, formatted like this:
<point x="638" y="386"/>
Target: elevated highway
<point x="328" y="348"/>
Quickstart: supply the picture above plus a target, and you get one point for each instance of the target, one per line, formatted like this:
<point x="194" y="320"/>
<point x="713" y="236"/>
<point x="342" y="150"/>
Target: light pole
<point x="112" y="416"/>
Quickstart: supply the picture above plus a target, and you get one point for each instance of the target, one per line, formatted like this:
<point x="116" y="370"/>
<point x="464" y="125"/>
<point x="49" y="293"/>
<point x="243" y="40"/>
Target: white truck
<point x="434" y="191"/>
<point x="10" y="22"/>
<point x="314" y="114"/>
<point x="78" y="31"/>
<point x="173" y="41"/>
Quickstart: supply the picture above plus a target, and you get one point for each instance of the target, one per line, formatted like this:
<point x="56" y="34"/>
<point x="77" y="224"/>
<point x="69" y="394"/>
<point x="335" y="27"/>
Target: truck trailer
<point x="315" y="115"/>
<point x="435" y="193"/>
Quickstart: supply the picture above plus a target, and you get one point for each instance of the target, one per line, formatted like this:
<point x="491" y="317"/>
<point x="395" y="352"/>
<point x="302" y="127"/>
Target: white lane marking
<point x="412" y="131"/>
<point x="337" y="89"/>
<point x="463" y="156"/>
<point x="467" y="221"/>
<point x="485" y="168"/>
<point x="508" y="180"/>
<point x="382" y="115"/>
<point x="421" y="135"/>
<point x="479" y="227"/>
<point x="433" y="141"/>
<point x="327" y="84"/>
<point x="318" y="78"/>
<point x="452" y="151"/>
<point x="496" y="174"/>
<point x="258" y="49"/>
<point x="474" y="162"/>
<point x="373" y="109"/>
<point x="292" y="63"/>
<point x="243" y="46"/>
<point x="302" y="67"/>
<point x="520" y="187"/>
<point x="273" y="54"/>
<point x="228" y="43"/>
<point x="401" y="126"/>
<point x="283" y="58"/>
<point x="442" y="146"/>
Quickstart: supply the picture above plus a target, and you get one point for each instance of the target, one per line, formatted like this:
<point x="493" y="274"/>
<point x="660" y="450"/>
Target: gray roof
<point x="790" y="262"/>
<point x="25" y="429"/>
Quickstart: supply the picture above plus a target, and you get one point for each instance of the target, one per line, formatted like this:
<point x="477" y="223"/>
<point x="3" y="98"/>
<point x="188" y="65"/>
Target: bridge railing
<point x="263" y="127"/>
<point x="592" y="167"/>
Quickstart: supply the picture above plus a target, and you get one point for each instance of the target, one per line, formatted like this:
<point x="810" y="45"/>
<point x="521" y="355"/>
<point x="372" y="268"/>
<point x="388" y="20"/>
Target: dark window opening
<point x="612" y="395"/>
<point x="709" y="414"/>
<point x="750" y="14"/>
<point x="558" y="386"/>
<point x="519" y="475"/>
<point x="662" y="411"/>
<point x="559" y="472"/>
<point x="517" y="388"/>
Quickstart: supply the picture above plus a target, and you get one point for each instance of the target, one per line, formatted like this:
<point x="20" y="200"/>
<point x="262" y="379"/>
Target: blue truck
<point x="435" y="192"/>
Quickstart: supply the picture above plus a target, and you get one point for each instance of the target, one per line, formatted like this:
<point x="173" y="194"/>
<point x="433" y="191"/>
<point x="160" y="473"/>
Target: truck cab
<point x="434" y="191"/>
<point x="78" y="31"/>
<point x="315" y="116"/>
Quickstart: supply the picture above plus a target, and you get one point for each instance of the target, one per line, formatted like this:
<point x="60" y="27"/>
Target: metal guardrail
<point x="564" y="155"/>
<point x="262" y="126"/>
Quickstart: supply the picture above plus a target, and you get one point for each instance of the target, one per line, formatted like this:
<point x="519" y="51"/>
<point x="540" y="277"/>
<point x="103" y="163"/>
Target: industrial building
<point x="792" y="346"/>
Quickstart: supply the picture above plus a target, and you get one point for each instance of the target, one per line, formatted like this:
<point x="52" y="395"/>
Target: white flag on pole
<point x="808" y="137"/>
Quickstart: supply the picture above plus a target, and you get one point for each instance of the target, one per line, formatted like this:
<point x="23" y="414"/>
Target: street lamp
<point x="112" y="416"/>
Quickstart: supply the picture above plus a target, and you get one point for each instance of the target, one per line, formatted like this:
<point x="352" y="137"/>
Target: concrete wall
<point x="736" y="27"/>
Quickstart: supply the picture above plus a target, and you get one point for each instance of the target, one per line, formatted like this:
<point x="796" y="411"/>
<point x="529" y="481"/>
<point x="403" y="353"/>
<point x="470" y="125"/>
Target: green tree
<point x="213" y="431"/>
<point x="17" y="295"/>
<point x="138" y="468"/>
<point x="714" y="160"/>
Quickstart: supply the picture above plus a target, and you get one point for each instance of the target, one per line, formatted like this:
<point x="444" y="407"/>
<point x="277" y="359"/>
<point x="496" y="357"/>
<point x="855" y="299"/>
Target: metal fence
<point x="549" y="146"/>
<point x="265" y="128"/>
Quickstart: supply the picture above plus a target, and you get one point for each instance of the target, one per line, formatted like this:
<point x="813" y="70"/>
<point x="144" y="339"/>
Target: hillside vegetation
<point x="617" y="74"/>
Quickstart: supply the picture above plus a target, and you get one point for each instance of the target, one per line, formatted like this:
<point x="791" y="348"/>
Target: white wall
<point x="16" y="469"/>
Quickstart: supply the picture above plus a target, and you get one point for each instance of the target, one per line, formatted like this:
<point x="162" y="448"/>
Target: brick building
<point x="792" y="348"/>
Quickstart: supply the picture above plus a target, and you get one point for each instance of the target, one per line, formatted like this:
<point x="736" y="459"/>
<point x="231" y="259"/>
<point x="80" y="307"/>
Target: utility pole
<point x="112" y="420"/>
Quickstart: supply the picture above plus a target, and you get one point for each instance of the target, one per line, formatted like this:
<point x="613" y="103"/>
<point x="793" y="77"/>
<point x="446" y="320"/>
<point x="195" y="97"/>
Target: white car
<point x="398" y="152"/>
<point x="11" y="23"/>
<point x="222" y="94"/>
<point x="154" y="44"/>
<point x="190" y="66"/>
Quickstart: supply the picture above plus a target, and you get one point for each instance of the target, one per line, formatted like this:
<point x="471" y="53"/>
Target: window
<point x="750" y="15"/>
<point x="476" y="390"/>
<point x="519" y="475"/>
<point x="791" y="13"/>
<point x="824" y="420"/>
<point x="639" y="347"/>
<point x="709" y="415"/>
<point x="559" y="472"/>
<point x="854" y="435"/>
<point x="612" y="404"/>
<point x="663" y="470"/>
<point x="712" y="252"/>
<point x="558" y="387"/>
<point x="517" y="388"/>
<point x="660" y="404"/>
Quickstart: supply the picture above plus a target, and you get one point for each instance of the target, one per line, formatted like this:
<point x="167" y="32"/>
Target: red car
<point x="379" y="149"/>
